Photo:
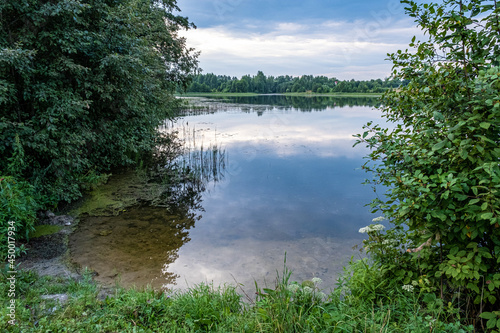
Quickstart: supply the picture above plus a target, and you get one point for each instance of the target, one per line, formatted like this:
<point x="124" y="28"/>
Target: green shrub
<point x="82" y="91"/>
<point x="17" y="214"/>
<point x="439" y="163"/>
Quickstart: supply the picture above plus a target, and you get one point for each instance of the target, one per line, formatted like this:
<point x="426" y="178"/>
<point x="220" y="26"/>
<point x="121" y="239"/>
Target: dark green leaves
<point x="443" y="176"/>
<point x="85" y="84"/>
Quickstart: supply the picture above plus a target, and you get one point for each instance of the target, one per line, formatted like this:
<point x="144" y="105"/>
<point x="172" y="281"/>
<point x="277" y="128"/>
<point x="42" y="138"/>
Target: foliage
<point x="17" y="213"/>
<point x="84" y="86"/>
<point x="440" y="161"/>
<point x="18" y="205"/>
<point x="290" y="306"/>
<point x="261" y="84"/>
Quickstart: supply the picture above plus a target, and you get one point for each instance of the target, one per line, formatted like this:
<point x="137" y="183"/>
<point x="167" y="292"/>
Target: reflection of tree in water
<point x="166" y="232"/>
<point x="262" y="103"/>
<point x="305" y="103"/>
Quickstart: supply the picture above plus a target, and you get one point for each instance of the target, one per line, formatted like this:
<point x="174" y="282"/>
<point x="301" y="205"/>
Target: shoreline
<point x="305" y="94"/>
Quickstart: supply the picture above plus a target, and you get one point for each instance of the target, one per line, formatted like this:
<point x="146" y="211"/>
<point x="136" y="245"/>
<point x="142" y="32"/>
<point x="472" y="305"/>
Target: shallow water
<point x="291" y="184"/>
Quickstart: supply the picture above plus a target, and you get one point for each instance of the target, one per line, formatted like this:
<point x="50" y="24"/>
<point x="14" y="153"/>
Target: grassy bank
<point x="360" y="303"/>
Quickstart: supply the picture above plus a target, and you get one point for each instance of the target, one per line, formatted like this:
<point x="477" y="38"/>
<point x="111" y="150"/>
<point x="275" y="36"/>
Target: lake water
<point x="288" y="182"/>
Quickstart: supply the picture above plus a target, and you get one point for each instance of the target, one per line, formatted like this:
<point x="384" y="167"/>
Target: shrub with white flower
<point x="384" y="246"/>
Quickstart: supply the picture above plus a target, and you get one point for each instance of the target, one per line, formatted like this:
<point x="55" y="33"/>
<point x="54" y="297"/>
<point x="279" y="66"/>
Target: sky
<point x="345" y="39"/>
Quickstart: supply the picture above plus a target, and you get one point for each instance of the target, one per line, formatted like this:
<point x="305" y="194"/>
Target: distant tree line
<point x="263" y="84"/>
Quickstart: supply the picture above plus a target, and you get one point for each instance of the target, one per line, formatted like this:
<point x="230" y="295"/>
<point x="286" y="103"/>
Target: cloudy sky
<point x="335" y="38"/>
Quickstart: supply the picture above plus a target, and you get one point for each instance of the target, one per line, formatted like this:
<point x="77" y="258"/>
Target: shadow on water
<point x="134" y="247"/>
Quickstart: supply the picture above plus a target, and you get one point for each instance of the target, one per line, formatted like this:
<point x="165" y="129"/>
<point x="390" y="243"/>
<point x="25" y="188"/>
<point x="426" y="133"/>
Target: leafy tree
<point x="84" y="85"/>
<point x="259" y="83"/>
<point x="440" y="162"/>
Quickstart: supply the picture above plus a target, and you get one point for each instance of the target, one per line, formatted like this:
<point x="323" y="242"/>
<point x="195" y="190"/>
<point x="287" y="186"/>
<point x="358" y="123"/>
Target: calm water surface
<point x="291" y="183"/>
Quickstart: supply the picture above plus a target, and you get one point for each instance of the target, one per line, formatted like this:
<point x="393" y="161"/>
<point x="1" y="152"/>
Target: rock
<point x="61" y="298"/>
<point x="63" y="220"/>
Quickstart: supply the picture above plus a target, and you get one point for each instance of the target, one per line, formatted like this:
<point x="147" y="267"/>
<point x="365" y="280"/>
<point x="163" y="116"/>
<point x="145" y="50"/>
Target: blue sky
<point x="342" y="39"/>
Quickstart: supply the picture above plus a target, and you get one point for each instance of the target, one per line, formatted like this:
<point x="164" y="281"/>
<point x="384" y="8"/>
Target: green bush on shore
<point x="17" y="215"/>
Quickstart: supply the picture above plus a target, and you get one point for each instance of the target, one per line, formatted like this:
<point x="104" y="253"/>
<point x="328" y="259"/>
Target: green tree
<point x="259" y="83"/>
<point x="440" y="163"/>
<point x="84" y="85"/>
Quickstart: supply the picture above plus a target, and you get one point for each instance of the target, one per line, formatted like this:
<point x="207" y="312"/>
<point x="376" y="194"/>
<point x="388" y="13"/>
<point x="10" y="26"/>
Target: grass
<point x="288" y="307"/>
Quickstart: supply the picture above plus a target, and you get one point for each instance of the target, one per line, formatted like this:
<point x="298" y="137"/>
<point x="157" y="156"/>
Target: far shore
<point x="304" y="94"/>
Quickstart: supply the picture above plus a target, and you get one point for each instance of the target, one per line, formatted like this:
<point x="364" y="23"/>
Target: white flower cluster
<point x="408" y="287"/>
<point x="307" y="290"/>
<point x="378" y="219"/>
<point x="316" y="280"/>
<point x="371" y="228"/>
<point x="293" y="287"/>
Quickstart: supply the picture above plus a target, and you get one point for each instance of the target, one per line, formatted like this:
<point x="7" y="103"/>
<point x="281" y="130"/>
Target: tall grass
<point x="289" y="306"/>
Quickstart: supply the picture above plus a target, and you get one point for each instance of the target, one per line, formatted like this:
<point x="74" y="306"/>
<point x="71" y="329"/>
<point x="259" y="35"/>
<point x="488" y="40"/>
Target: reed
<point x="201" y="159"/>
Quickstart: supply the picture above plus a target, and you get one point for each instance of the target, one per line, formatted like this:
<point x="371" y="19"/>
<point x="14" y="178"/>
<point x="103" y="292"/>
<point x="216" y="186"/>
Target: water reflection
<point x="279" y="180"/>
<point x="302" y="103"/>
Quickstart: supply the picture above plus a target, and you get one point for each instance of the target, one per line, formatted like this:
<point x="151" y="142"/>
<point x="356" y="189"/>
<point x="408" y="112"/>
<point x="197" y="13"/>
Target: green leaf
<point x="486" y="216"/>
<point x="463" y="153"/>
<point x="485" y="125"/>
<point x="429" y="298"/>
<point x="439" y="145"/>
<point x="474" y="201"/>
<point x="491" y="323"/>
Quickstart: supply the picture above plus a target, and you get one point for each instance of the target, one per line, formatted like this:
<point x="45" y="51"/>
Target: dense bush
<point x="440" y="163"/>
<point x="84" y="86"/>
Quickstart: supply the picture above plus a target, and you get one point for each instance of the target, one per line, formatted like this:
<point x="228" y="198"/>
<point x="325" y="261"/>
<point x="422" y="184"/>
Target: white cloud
<point x="342" y="49"/>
